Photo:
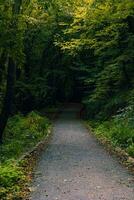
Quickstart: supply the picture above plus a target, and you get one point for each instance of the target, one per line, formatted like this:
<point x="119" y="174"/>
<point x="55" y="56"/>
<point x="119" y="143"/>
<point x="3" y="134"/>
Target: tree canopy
<point x="56" y="51"/>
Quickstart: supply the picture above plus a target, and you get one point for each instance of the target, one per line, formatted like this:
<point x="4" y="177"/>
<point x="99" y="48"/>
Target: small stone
<point x="98" y="187"/>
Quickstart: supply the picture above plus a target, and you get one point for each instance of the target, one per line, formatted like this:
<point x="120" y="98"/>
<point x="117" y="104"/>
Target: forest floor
<point x="76" y="167"/>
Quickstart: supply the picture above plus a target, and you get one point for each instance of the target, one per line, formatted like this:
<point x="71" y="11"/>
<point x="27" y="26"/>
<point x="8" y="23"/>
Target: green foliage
<point x="100" y="37"/>
<point x="59" y="42"/>
<point x="22" y="133"/>
<point x="119" y="130"/>
<point x="130" y="150"/>
<point x="11" y="175"/>
<point x="102" y="109"/>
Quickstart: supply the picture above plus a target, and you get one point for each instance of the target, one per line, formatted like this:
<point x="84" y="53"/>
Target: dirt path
<point x="76" y="167"/>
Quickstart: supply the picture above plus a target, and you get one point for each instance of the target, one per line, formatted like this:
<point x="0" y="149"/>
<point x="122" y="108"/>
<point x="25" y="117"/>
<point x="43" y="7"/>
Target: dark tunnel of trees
<point x="66" y="51"/>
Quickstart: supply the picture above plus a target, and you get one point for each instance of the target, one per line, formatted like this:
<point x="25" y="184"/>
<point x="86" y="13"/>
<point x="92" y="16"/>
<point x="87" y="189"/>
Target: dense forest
<point x="57" y="51"/>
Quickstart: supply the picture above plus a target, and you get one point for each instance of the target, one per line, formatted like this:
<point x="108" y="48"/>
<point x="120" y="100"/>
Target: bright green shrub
<point x="11" y="176"/>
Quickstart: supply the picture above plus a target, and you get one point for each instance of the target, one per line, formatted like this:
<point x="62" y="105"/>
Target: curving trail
<point x="76" y="167"/>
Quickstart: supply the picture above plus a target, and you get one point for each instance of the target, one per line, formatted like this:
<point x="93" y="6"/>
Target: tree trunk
<point x="11" y="73"/>
<point x="7" y="107"/>
<point x="2" y="65"/>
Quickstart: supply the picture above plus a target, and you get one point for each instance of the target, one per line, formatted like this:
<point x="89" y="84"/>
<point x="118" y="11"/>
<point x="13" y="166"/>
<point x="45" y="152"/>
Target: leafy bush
<point x="130" y="150"/>
<point x="21" y="134"/>
<point x="102" y="109"/>
<point x="119" y="130"/>
<point x="10" y="177"/>
<point x="10" y="174"/>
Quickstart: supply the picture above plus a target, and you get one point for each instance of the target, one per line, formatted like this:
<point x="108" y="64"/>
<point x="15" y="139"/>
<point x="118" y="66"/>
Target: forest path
<point x="76" y="167"/>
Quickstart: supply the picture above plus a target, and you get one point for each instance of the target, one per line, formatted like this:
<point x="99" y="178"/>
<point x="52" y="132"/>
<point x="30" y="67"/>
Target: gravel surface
<point x="76" y="167"/>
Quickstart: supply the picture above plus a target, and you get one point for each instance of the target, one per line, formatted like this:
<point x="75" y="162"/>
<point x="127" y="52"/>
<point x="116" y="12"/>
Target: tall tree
<point x="11" y="73"/>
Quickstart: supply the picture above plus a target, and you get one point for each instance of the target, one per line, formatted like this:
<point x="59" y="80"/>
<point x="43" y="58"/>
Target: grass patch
<point x="21" y="135"/>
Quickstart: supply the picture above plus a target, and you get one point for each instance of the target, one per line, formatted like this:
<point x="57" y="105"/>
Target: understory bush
<point x="103" y="109"/>
<point x="11" y="175"/>
<point x="21" y="134"/>
<point x="119" y="130"/>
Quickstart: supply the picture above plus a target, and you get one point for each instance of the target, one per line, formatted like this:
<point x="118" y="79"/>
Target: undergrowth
<point x="119" y="130"/>
<point x="21" y="134"/>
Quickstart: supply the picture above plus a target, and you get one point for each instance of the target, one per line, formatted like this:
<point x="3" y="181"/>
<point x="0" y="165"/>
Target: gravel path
<point x="76" y="167"/>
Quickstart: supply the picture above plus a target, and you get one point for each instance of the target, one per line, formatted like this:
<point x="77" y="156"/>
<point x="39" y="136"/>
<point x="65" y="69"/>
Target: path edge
<point x="29" y="161"/>
<point x="123" y="157"/>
